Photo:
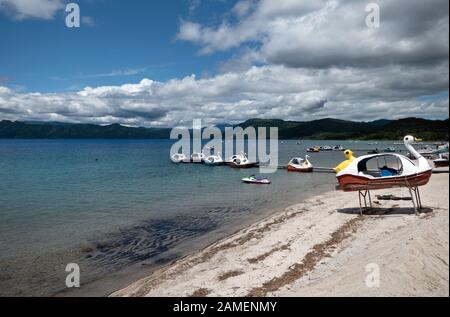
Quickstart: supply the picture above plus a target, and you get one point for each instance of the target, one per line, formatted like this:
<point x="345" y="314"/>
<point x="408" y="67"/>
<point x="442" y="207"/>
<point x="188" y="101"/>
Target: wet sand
<point x="323" y="247"/>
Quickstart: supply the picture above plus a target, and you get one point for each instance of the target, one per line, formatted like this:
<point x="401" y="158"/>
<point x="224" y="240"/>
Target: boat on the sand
<point x="442" y="161"/>
<point x="392" y="170"/>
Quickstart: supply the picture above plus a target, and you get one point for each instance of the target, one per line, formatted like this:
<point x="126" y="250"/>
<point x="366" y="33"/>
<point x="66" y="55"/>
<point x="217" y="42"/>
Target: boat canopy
<point x="380" y="165"/>
<point x="298" y="161"/>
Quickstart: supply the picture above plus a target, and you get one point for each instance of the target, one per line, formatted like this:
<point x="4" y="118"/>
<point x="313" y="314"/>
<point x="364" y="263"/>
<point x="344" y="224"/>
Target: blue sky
<point x="127" y="42"/>
<point x="165" y="63"/>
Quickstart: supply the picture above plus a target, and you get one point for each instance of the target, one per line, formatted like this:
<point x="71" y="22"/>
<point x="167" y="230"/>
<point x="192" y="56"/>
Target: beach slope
<point x="323" y="247"/>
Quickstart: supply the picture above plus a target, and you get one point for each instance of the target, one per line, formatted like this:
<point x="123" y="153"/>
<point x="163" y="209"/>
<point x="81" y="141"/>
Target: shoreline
<point x="321" y="247"/>
<point x="108" y="284"/>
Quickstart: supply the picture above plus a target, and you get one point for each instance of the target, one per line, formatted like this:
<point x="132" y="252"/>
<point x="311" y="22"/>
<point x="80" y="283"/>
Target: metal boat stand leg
<point x="418" y="196"/>
<point x="418" y="200"/>
<point x="360" y="205"/>
<point x="413" y="200"/>
<point x="364" y="196"/>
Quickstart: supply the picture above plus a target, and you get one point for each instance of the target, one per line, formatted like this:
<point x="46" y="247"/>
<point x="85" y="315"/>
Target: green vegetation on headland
<point x="57" y="130"/>
<point x="334" y="129"/>
<point x="324" y="129"/>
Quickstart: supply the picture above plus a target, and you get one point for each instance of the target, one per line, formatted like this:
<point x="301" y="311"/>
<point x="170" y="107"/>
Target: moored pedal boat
<point x="198" y="157"/>
<point x="241" y="161"/>
<point x="298" y="164"/>
<point x="314" y="149"/>
<point x="214" y="160"/>
<point x="179" y="158"/>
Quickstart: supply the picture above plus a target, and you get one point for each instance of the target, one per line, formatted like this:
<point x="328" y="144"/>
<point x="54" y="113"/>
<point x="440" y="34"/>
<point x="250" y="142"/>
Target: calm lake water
<point x="120" y="208"/>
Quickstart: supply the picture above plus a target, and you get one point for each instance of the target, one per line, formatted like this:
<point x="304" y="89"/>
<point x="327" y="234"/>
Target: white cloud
<point x="194" y="4"/>
<point x="23" y="9"/>
<point x="267" y="92"/>
<point x="119" y="72"/>
<point x="318" y="60"/>
<point x="189" y="31"/>
<point x="329" y="33"/>
<point x="87" y="20"/>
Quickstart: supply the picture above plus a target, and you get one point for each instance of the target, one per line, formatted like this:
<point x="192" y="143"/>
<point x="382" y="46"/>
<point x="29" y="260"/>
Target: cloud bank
<point x="265" y="91"/>
<point x="329" y="33"/>
<point x="296" y="60"/>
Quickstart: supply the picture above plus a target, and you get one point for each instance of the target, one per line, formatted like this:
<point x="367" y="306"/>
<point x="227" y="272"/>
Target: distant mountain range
<point x="324" y="129"/>
<point x="329" y="129"/>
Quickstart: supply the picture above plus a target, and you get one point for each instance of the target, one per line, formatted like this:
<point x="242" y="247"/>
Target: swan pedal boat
<point x="241" y="161"/>
<point x="179" y="158"/>
<point x="198" y="157"/>
<point x="298" y="164"/>
<point x="357" y="177"/>
<point x="214" y="160"/>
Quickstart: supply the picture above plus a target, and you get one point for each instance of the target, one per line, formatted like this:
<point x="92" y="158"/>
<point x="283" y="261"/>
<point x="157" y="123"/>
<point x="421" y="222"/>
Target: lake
<point x="121" y="208"/>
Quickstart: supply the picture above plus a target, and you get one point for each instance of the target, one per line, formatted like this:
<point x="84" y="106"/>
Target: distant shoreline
<point x="167" y="140"/>
<point x="323" y="129"/>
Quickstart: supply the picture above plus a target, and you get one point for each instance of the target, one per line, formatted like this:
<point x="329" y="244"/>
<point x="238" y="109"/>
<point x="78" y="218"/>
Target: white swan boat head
<point x="385" y="170"/>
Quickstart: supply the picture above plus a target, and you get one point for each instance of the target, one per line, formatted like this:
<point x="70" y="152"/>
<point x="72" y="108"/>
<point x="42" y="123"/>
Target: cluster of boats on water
<point x="238" y="160"/>
<point x="316" y="148"/>
<point x="297" y="164"/>
<point x="353" y="173"/>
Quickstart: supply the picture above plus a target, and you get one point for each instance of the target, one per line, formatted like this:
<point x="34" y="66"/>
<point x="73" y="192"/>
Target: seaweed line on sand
<point x="190" y="261"/>
<point x="311" y="259"/>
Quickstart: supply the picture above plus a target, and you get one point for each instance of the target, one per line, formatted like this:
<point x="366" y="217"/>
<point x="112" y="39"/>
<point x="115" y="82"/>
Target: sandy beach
<point x="323" y="247"/>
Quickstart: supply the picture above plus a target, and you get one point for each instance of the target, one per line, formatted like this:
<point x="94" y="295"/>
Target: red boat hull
<point x="291" y="168"/>
<point x="349" y="183"/>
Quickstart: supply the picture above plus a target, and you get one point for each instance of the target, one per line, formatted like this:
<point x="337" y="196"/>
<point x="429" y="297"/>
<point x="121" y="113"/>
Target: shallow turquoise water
<point x="109" y="204"/>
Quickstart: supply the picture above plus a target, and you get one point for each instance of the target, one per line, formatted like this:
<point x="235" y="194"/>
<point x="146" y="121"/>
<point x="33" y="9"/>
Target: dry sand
<point x="322" y="247"/>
